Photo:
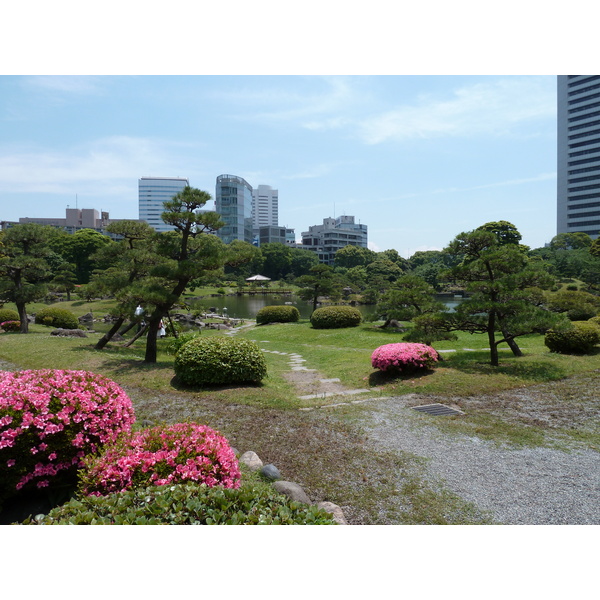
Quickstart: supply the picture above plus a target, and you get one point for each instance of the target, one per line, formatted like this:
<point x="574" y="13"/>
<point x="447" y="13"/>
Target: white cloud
<point x="494" y="108"/>
<point x="102" y="166"/>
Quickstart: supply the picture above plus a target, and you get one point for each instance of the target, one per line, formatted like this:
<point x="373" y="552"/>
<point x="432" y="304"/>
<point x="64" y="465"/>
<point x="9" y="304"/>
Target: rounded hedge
<point x="10" y="326"/>
<point x="220" y="360"/>
<point x="580" y="339"/>
<point x="187" y="504"/>
<point x="161" y="456"/>
<point x="53" y="316"/>
<point x="50" y="420"/>
<point x="335" y="317"/>
<point x="404" y="358"/>
<point x="7" y="314"/>
<point x="277" y="314"/>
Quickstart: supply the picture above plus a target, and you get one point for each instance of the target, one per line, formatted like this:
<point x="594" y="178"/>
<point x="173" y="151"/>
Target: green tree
<point x="354" y="256"/>
<point x="78" y="249"/>
<point x="277" y="260"/>
<point x="64" y="279"/>
<point x="23" y="268"/>
<point x="409" y="297"/>
<point x="505" y="232"/>
<point x="186" y="253"/>
<point x="321" y="281"/>
<point x="576" y="240"/>
<point x="499" y="278"/>
<point x="302" y="261"/>
<point x="127" y="262"/>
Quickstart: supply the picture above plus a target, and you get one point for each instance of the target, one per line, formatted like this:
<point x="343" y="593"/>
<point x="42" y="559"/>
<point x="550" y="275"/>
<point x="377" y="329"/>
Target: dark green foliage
<point x="220" y="360"/>
<point x="53" y="316"/>
<point x="581" y="339"/>
<point x="175" y="343"/>
<point x="578" y="306"/>
<point x="7" y="314"/>
<point x="277" y="314"/>
<point x="595" y="321"/>
<point x="187" y="504"/>
<point x="335" y="317"/>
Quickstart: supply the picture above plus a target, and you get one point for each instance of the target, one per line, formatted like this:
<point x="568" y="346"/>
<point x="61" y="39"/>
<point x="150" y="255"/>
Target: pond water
<point x="246" y="307"/>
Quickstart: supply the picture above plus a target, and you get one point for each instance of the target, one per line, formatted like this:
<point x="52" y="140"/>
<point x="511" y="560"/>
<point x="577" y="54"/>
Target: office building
<point x="333" y="234"/>
<point x="265" y="207"/>
<point x="578" y="169"/>
<point x="153" y="191"/>
<point x="233" y="199"/>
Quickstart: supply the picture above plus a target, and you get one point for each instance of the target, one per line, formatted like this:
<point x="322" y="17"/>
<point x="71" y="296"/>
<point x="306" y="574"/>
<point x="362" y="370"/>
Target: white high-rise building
<point x="265" y="207"/>
<point x="578" y="169"/>
<point x="153" y="191"/>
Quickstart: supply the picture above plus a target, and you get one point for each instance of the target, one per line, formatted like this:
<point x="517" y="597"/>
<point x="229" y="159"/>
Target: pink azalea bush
<point x="11" y="325"/>
<point x="50" y="420"/>
<point x="162" y="455"/>
<point x="404" y="358"/>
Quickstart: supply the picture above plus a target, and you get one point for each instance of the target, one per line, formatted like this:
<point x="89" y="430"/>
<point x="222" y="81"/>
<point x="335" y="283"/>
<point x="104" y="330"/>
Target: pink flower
<point x="404" y="357"/>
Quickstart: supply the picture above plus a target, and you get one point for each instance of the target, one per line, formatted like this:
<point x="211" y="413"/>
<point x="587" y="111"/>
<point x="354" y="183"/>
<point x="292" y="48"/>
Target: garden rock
<point x="335" y="510"/>
<point x="251" y="460"/>
<point x="270" y="472"/>
<point x="292" y="490"/>
<point x="87" y="318"/>
<point x="69" y="332"/>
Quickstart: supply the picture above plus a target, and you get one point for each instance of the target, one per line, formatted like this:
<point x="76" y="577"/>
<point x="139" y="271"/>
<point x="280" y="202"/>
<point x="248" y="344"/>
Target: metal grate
<point x="438" y="410"/>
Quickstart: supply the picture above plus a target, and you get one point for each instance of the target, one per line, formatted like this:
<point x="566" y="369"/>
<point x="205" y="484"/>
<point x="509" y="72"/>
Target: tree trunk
<point x="139" y="334"/>
<point x="511" y="343"/>
<point x="130" y="326"/>
<point x="492" y="339"/>
<point x="21" y="309"/>
<point x="108" y="336"/>
<point x="151" y="351"/>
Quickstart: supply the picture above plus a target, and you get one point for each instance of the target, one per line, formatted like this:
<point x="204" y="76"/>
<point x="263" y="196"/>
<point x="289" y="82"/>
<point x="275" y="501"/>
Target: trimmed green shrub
<point x="335" y="317"/>
<point x="7" y="314"/>
<point x="187" y="504"/>
<point x="595" y="320"/>
<point x="581" y="339"/>
<point x="175" y="343"/>
<point x="10" y="326"/>
<point x="220" y="360"/>
<point x="54" y="316"/>
<point x="277" y="314"/>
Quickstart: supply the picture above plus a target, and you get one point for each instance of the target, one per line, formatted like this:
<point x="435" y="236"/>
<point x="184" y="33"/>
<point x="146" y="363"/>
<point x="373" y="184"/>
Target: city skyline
<point x="418" y="159"/>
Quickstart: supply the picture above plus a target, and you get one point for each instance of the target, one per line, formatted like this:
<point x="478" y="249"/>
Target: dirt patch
<point x="312" y="382"/>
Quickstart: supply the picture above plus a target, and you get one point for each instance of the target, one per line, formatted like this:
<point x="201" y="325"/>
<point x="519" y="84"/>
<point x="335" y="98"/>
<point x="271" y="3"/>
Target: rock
<point x="270" y="472"/>
<point x="69" y="332"/>
<point x="88" y="317"/>
<point x="335" y="510"/>
<point x="251" y="460"/>
<point x="292" y="490"/>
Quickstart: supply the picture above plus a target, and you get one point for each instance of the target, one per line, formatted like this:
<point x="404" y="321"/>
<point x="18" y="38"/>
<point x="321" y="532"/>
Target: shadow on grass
<point x="478" y="363"/>
<point x="380" y="378"/>
<point x="178" y="385"/>
<point x="119" y="360"/>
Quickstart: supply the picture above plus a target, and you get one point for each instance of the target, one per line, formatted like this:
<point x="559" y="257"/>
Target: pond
<point x="246" y="307"/>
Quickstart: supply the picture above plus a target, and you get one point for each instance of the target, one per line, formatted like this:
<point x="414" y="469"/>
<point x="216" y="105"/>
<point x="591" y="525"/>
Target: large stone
<point x="69" y="332"/>
<point x="251" y="460"/>
<point x="88" y="317"/>
<point x="270" y="472"/>
<point x="292" y="490"/>
<point x="335" y="510"/>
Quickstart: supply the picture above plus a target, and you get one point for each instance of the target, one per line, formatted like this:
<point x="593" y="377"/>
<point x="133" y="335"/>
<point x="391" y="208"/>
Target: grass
<point x="540" y="399"/>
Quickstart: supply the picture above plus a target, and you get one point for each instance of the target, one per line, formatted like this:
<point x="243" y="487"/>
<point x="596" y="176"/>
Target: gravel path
<point x="531" y="486"/>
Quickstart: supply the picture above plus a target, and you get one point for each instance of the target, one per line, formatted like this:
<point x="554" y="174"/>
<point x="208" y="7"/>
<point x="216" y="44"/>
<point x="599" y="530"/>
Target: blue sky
<point x="417" y="158"/>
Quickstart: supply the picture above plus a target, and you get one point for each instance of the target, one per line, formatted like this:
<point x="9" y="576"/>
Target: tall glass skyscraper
<point x="233" y="200"/>
<point x="578" y="173"/>
<point x="153" y="191"/>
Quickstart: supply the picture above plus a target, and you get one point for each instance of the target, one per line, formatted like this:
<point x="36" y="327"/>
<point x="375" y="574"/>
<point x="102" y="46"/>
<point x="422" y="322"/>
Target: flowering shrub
<point x="51" y="419"/>
<point x="404" y="358"/>
<point x="160" y="456"/>
<point x="11" y="325"/>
